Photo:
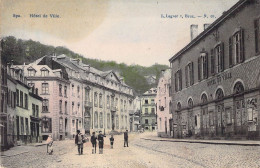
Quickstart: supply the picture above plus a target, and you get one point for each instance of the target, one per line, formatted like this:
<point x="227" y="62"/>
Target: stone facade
<point x="163" y="103"/>
<point x="216" y="77"/>
<point x="148" y="111"/>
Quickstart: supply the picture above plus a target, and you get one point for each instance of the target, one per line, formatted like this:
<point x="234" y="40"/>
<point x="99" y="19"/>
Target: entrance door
<point x="17" y="128"/>
<point x="113" y="121"/>
<point x="87" y="124"/>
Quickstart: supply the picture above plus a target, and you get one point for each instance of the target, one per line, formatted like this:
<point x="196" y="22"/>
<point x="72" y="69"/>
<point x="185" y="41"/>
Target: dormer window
<point x="44" y="72"/>
<point x="31" y="71"/>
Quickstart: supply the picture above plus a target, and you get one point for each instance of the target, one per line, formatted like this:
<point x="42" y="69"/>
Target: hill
<point x="26" y="51"/>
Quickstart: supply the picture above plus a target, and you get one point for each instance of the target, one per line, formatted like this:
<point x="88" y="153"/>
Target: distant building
<point x="135" y="116"/>
<point x="148" y="110"/>
<point x="150" y="79"/>
<point x="3" y="111"/>
<point x="163" y="102"/>
<point x="216" y="79"/>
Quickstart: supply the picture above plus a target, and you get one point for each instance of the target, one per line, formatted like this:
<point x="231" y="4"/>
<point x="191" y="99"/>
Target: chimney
<point x="206" y="26"/>
<point x="193" y="31"/>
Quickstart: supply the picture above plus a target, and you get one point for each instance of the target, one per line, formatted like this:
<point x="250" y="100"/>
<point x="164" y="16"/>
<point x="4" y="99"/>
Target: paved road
<point x="140" y="153"/>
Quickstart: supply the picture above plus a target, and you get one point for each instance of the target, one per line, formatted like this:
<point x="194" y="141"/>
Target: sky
<point x="132" y="32"/>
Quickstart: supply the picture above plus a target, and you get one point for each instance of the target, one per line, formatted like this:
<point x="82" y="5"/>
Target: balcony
<point x="113" y="108"/>
<point x="88" y="104"/>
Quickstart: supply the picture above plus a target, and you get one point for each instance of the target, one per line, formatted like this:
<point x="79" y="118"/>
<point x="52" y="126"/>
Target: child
<point x="49" y="145"/>
<point x="111" y="142"/>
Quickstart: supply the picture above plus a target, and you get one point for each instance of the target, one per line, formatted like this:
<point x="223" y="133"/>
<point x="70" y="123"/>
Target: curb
<point x="4" y="156"/>
<point x="207" y="142"/>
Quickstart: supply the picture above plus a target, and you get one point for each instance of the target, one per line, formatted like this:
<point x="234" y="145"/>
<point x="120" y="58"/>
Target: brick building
<point x="216" y="77"/>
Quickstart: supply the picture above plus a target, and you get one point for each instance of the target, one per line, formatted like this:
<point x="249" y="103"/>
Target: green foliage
<point x="27" y="51"/>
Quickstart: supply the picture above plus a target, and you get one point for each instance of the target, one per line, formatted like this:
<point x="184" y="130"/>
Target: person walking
<point x="101" y="142"/>
<point x="111" y="141"/>
<point x="94" y="142"/>
<point x="126" y="138"/>
<point x="79" y="141"/>
<point x="49" y="143"/>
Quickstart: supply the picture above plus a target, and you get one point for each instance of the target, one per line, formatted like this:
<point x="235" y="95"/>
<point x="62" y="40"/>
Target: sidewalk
<point x="154" y="137"/>
<point x="17" y="150"/>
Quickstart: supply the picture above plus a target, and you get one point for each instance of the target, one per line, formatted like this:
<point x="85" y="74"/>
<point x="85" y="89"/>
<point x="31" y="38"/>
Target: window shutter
<point x="192" y="74"/>
<point x="222" y="57"/>
<point x="176" y="81"/>
<point x="230" y="52"/>
<point x="199" y="69"/>
<point x="212" y="61"/>
<point x="206" y="65"/>
<point x="242" y="56"/>
<point x="180" y="74"/>
<point x="186" y="75"/>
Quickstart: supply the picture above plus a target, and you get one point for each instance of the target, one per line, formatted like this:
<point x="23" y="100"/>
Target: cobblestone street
<point x="140" y="153"/>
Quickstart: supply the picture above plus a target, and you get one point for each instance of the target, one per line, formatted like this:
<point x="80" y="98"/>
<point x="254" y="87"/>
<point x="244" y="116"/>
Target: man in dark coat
<point x="126" y="138"/>
<point x="101" y="142"/>
<point x="94" y="142"/>
<point x="79" y="141"/>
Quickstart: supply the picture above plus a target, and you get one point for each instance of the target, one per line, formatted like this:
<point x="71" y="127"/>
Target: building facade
<point x="163" y="103"/>
<point x="216" y="77"/>
<point x="3" y="112"/>
<point x="148" y="111"/>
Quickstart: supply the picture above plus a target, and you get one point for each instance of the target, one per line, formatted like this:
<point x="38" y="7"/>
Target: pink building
<point x="163" y="101"/>
<point x="52" y="83"/>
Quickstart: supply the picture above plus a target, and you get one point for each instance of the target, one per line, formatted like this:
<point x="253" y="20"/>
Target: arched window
<point x="96" y="120"/>
<point x="238" y="88"/>
<point x="101" y="120"/>
<point x="190" y="103"/>
<point x="179" y="106"/>
<point x="219" y="94"/>
<point x="204" y="98"/>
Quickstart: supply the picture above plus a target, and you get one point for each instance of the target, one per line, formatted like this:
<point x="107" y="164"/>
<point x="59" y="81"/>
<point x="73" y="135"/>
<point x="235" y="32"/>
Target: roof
<point x="217" y="22"/>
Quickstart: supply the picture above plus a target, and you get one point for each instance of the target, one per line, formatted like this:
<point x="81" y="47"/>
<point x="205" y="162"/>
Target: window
<point x="72" y="107"/>
<point x="153" y="110"/>
<point x="121" y="105"/>
<point x="65" y="91"/>
<point x="236" y="48"/>
<point x="100" y="100"/>
<point x="257" y="35"/>
<point x="124" y="105"/>
<point x="204" y="98"/>
<point x="46" y="125"/>
<point x="116" y="103"/>
<point x="60" y="89"/>
<point x="21" y="99"/>
<point x="61" y="124"/>
<point x="26" y="126"/>
<point x="60" y="106"/>
<point x="122" y="122"/>
<point x="125" y="122"/>
<point x="45" y="88"/>
<point x="152" y="101"/>
<point x="31" y="72"/>
<point x="72" y="89"/>
<point x="117" y="122"/>
<point x="26" y="100"/>
<point x="22" y="126"/>
<point x="96" y="120"/>
<point x="44" y="72"/>
<point x="145" y="101"/>
<point x="178" y="81"/>
<point x="17" y="97"/>
<point x="211" y="118"/>
<point x="108" y="102"/>
<point x="37" y="111"/>
<point x="190" y="103"/>
<point x="33" y="109"/>
<point x="95" y="99"/>
<point x="65" y="107"/>
<point x="203" y="66"/>
<point x="146" y="121"/>
<point x="108" y="120"/>
<point x="101" y="120"/>
<point x="78" y="91"/>
<point x="179" y="106"/>
<point x="189" y="75"/>
<point x="45" y="105"/>
<point x="146" y="110"/>
<point x="78" y="108"/>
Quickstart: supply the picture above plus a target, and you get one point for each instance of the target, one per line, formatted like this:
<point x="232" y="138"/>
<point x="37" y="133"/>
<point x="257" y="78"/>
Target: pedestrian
<point x="101" y="142"/>
<point x="126" y="138"/>
<point x="49" y="145"/>
<point x="111" y="141"/>
<point x="79" y="141"/>
<point x="94" y="142"/>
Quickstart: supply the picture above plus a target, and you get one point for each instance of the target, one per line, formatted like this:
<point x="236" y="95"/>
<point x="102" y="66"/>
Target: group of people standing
<point x="80" y="140"/>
